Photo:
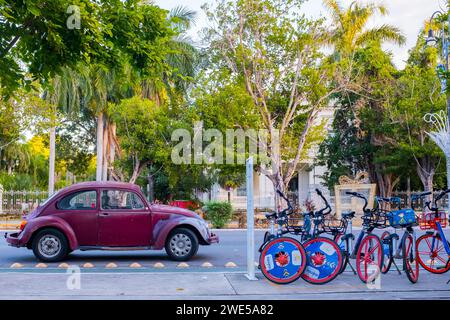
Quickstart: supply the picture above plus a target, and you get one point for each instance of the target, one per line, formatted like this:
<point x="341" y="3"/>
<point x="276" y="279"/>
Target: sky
<point x="407" y="15"/>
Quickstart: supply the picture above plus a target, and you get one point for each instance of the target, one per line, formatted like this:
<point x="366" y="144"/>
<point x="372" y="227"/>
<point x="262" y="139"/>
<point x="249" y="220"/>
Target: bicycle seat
<point x="270" y="215"/>
<point x="350" y="214"/>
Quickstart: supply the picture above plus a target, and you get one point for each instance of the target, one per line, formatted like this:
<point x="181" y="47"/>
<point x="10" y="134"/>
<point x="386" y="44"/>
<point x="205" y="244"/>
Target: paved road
<point x="232" y="248"/>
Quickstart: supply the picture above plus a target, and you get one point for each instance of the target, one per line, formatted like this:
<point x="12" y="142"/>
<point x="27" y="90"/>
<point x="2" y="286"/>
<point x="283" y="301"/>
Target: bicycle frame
<point x="398" y="248"/>
<point x="440" y="231"/>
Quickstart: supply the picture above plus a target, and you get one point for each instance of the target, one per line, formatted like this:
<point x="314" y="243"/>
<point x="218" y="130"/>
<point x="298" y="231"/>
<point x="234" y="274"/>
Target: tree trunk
<point x="151" y="188"/>
<point x="386" y="183"/>
<point x="112" y="146"/>
<point x="51" y="162"/>
<point x="408" y="192"/>
<point x="425" y="170"/>
<point x="98" y="176"/>
<point x="105" y="150"/>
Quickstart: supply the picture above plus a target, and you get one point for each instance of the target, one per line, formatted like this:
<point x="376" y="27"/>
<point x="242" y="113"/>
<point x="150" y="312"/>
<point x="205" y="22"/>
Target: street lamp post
<point x="431" y="41"/>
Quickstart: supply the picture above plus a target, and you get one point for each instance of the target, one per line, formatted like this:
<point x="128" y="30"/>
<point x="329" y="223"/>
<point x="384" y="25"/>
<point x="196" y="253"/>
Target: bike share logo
<point x="282" y="259"/>
<point x="318" y="259"/>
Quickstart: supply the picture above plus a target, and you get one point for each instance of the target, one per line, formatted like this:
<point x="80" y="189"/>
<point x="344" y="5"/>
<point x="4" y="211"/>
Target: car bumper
<point x="213" y="238"/>
<point x="14" y="239"/>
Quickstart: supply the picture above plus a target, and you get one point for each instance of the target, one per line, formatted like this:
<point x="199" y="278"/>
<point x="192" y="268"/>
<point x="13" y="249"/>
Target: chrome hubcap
<point x="49" y="246"/>
<point x="180" y="244"/>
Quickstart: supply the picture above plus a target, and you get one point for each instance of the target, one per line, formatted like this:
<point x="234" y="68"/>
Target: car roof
<point x="101" y="184"/>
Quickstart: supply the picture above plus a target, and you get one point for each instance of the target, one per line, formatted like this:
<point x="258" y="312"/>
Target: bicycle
<point x="368" y="250"/>
<point x="282" y="259"/>
<point x="323" y="255"/>
<point x="341" y="234"/>
<point x="433" y="248"/>
<point x="406" y="248"/>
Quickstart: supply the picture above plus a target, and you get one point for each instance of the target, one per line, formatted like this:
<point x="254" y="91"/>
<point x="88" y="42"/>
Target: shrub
<point x="219" y="213"/>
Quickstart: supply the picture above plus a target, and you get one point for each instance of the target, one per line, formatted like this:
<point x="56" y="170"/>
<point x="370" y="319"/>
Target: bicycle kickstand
<point x="353" y="269"/>
<point x="396" y="267"/>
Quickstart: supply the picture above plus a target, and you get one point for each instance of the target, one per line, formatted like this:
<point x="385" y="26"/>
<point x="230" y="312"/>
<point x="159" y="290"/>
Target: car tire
<point x="181" y="244"/>
<point x="50" y="245"/>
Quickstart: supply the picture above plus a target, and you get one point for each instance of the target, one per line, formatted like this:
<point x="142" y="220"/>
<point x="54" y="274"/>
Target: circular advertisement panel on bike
<point x="324" y="260"/>
<point x="283" y="260"/>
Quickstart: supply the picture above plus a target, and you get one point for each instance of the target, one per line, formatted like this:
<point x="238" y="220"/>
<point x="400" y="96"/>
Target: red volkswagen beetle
<point x="109" y="216"/>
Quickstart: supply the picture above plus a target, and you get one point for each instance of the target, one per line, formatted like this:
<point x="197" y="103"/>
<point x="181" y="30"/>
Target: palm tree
<point x="350" y="24"/>
<point x="183" y="60"/>
<point x="64" y="95"/>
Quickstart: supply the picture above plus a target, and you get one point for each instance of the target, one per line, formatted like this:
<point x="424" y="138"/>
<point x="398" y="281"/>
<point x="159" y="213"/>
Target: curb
<point x="113" y="265"/>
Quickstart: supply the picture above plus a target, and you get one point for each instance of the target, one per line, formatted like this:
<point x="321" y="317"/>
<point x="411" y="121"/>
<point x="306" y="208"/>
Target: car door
<point x="124" y="219"/>
<point x="79" y="209"/>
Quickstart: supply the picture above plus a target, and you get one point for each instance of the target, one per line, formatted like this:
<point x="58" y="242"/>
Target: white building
<point x="303" y="184"/>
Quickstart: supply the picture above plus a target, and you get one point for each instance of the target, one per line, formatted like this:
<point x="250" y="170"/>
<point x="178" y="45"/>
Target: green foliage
<point x="19" y="181"/>
<point x="111" y="31"/>
<point x="219" y="213"/>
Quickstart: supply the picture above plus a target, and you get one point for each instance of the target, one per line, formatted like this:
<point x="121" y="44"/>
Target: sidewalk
<point x="212" y="286"/>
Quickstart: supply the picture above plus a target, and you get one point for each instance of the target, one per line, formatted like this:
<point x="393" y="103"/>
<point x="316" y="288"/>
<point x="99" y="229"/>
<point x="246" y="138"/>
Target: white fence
<point x="15" y="202"/>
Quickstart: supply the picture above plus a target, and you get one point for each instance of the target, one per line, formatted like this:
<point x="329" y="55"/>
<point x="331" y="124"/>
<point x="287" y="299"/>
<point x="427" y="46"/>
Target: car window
<point x="120" y="199"/>
<point x="53" y="196"/>
<point x="81" y="200"/>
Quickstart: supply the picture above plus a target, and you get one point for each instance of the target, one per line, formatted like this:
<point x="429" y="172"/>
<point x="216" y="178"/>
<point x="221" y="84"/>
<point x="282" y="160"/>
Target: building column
<point x="303" y="186"/>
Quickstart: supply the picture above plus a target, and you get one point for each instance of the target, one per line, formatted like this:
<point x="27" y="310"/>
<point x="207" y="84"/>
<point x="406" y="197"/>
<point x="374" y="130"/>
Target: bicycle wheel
<point x="410" y="263"/>
<point x="283" y="260"/>
<point x="387" y="252"/>
<point x="369" y="258"/>
<point x="431" y="254"/>
<point x="343" y="246"/>
<point x="323" y="260"/>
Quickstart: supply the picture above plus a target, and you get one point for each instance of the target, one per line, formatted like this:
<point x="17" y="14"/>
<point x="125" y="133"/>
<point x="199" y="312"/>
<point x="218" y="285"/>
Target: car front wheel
<point x="50" y="245"/>
<point x="181" y="244"/>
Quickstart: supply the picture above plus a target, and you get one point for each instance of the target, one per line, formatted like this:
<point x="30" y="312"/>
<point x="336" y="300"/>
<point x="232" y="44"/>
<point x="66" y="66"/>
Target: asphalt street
<point x="231" y="249"/>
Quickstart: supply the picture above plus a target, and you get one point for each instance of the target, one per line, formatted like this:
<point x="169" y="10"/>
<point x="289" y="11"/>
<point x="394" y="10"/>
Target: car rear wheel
<point x="50" y="245"/>
<point x="181" y="244"/>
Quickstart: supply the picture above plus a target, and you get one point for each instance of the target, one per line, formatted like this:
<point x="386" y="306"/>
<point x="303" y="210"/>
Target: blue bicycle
<point x="433" y="248"/>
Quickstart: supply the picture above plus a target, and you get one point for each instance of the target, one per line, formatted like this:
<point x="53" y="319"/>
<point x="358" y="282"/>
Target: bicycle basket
<point x="376" y="219"/>
<point x="401" y="218"/>
<point x="332" y="225"/>
<point x="427" y="220"/>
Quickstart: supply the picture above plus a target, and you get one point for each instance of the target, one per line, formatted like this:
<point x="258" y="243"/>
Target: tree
<point x="364" y="134"/>
<point x="273" y="51"/>
<point x="355" y="144"/>
<point x="350" y="32"/>
<point x="37" y="40"/>
<point x="418" y="93"/>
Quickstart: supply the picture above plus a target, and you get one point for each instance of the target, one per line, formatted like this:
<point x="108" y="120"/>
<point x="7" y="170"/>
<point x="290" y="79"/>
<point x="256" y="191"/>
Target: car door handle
<point x="104" y="214"/>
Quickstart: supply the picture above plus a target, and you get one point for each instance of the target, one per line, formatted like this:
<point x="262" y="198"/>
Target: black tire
<point x="178" y="251"/>
<point x="50" y="245"/>
<point x="387" y="261"/>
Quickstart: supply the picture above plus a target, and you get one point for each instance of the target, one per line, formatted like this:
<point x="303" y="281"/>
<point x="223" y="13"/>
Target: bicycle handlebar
<point x="327" y="209"/>
<point x="289" y="208"/>
<point x="439" y="197"/>
<point x="361" y="196"/>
